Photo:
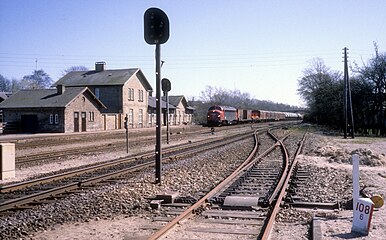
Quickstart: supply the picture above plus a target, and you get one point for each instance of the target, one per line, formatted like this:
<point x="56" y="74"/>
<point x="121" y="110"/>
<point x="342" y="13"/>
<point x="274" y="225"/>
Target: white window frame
<point x="131" y="116"/>
<point x="56" y="118"/>
<point x="91" y="117"/>
<point x="140" y="95"/>
<point x="140" y="116"/>
<point x="149" y="120"/>
<point x="131" y="94"/>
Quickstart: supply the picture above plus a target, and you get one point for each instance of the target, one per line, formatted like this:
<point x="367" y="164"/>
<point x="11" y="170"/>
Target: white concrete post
<point x="355" y="178"/>
<point x="362" y="207"/>
<point x="363" y="212"/>
<point x="7" y="160"/>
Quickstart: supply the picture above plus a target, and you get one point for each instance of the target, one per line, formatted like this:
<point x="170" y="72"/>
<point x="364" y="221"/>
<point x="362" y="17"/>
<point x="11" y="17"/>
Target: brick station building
<point x="94" y="100"/>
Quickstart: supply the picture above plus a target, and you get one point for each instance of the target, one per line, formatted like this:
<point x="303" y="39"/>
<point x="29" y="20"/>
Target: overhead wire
<point x="202" y="61"/>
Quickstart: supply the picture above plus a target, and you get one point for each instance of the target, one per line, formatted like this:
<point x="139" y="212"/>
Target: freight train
<point x="226" y="115"/>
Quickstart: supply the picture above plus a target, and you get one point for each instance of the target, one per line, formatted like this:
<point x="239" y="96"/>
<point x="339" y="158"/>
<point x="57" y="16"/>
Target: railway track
<point x="116" y="144"/>
<point x="120" y="195"/>
<point x="23" y="195"/>
<point x="79" y="138"/>
<point x="245" y="203"/>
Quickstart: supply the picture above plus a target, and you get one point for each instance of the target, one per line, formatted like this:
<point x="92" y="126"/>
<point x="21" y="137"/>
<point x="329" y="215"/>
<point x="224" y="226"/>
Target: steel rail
<point x="118" y="144"/>
<point x="150" y="154"/>
<point x="284" y="172"/>
<point x="188" y="212"/>
<point x="203" y="200"/>
<point x="79" y="137"/>
<point x="276" y="208"/>
<point x="15" y="203"/>
<point x="71" y="151"/>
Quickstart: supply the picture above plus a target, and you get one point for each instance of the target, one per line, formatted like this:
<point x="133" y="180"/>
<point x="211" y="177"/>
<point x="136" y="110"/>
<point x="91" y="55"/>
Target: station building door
<point x="76" y="121"/>
<point x="29" y="123"/>
<point x="84" y="121"/>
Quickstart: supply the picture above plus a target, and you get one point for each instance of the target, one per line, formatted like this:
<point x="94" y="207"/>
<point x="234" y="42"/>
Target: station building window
<point x="131" y="115"/>
<point x="140" y="118"/>
<point x="140" y="95"/>
<point x="54" y="118"/>
<point x="150" y="120"/>
<point x="131" y="94"/>
<point x="91" y="117"/>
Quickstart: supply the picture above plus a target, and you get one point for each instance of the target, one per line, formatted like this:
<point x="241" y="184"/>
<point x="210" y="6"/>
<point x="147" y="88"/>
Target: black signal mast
<point x="156" y="32"/>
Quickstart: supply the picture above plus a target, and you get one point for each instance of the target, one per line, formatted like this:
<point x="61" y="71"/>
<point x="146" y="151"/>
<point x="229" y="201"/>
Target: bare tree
<point x="316" y="75"/>
<point x="320" y="88"/>
<point x="37" y="80"/>
<point x="374" y="72"/>
<point x="74" y="68"/>
<point x="5" y="84"/>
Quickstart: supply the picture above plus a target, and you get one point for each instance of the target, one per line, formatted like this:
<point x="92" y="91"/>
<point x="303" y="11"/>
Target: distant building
<point x="153" y="108"/>
<point x="3" y="96"/>
<point x="183" y="112"/>
<point x="52" y="110"/>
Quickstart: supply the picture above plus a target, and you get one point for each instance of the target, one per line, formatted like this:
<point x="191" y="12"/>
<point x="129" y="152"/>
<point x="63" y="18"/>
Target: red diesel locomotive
<point x="221" y="115"/>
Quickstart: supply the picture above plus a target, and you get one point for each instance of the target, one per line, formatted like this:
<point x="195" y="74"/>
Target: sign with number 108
<point x="362" y="208"/>
<point x="362" y="215"/>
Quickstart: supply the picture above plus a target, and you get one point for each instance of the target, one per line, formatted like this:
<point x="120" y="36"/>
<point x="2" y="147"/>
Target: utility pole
<point x="348" y="123"/>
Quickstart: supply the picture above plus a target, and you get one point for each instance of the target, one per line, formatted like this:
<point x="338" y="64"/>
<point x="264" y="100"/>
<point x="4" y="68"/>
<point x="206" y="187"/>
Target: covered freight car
<point x="265" y="116"/>
<point x="244" y="115"/>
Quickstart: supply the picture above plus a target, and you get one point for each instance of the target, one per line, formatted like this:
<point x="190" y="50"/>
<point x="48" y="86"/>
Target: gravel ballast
<point x="121" y="210"/>
<point x="129" y="197"/>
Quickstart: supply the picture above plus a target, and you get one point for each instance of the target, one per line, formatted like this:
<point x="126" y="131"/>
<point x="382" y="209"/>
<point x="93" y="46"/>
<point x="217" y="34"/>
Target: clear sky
<point x="259" y="47"/>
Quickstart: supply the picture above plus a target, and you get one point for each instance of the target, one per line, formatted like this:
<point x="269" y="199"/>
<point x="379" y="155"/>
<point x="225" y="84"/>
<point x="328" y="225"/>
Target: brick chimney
<point x="100" y="66"/>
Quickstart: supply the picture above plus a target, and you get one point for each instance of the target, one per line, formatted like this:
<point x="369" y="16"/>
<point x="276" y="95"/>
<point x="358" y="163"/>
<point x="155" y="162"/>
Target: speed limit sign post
<point x="363" y="211"/>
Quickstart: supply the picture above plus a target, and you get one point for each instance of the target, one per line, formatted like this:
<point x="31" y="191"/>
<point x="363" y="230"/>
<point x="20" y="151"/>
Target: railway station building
<point x="52" y="110"/>
<point x="109" y="96"/>
<point x="123" y="92"/>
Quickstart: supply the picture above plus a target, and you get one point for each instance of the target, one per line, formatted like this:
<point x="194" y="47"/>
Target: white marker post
<point x="355" y="178"/>
<point x="362" y="207"/>
<point x="7" y="161"/>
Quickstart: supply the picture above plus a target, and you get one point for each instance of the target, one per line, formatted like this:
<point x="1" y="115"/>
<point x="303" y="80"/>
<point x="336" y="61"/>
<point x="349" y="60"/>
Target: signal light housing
<point x="156" y="26"/>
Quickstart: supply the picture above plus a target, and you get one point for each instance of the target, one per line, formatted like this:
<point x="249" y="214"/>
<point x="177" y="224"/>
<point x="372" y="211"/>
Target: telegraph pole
<point x="348" y="123"/>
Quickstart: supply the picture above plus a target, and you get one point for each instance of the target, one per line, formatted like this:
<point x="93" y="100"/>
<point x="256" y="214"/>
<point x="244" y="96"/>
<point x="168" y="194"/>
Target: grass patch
<point x="361" y="140"/>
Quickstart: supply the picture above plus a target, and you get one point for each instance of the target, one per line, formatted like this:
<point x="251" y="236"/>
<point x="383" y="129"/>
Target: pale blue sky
<point x="259" y="47"/>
